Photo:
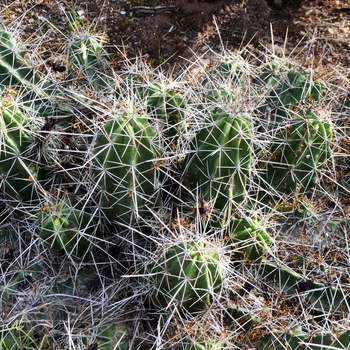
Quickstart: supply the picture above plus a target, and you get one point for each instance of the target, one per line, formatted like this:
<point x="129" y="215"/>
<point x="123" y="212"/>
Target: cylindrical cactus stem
<point x="31" y="87"/>
<point x="297" y="154"/>
<point x="285" y="86"/>
<point x="297" y="339"/>
<point x="68" y="228"/>
<point x="185" y="276"/>
<point x="217" y="167"/>
<point x="86" y="58"/>
<point x="168" y="108"/>
<point x="127" y="170"/>
<point x="248" y="238"/>
<point x="18" y="174"/>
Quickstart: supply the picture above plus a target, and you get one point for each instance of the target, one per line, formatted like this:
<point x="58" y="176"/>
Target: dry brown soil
<point x="190" y="27"/>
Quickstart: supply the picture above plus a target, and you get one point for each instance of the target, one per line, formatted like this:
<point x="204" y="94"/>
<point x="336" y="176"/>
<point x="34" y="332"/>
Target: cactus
<point x="85" y="56"/>
<point x="126" y="156"/>
<point x="224" y="85"/>
<point x="296" y="339"/>
<point x="113" y="337"/>
<point x="67" y="227"/>
<point x="185" y="276"/>
<point x="168" y="108"/>
<point x="297" y="153"/>
<point x="248" y="238"/>
<point x="137" y="134"/>
<point x="217" y="167"/>
<point x="18" y="172"/>
<point x="32" y="88"/>
<point x="300" y="139"/>
<point x="287" y="86"/>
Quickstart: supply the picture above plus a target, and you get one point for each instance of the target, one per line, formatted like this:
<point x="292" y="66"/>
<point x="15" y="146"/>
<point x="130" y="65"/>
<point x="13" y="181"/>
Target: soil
<point x="187" y="28"/>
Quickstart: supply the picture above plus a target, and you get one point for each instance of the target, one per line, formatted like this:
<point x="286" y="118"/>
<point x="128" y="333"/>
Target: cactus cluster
<point x="299" y="136"/>
<point x="160" y="210"/>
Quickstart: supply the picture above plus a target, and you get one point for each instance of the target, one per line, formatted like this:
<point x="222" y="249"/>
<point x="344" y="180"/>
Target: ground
<point x="189" y="27"/>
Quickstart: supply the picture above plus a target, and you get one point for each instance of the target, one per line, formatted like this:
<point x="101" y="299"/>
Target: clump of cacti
<point x="298" y="137"/>
<point x="155" y="204"/>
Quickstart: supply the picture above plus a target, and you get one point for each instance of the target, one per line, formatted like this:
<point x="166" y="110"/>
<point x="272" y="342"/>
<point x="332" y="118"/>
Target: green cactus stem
<point x="296" y="339"/>
<point x="168" y="108"/>
<point x="287" y="86"/>
<point x="249" y="239"/>
<point x="217" y="167"/>
<point x="86" y="58"/>
<point x="185" y="276"/>
<point x="126" y="156"/>
<point x="296" y="156"/>
<point x="66" y="227"/>
<point x="31" y="87"/>
<point x="18" y="173"/>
